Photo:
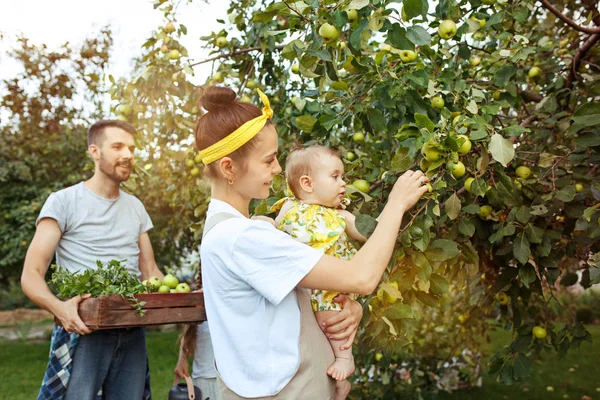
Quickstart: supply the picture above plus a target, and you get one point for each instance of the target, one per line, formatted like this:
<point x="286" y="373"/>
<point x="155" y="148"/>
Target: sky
<point x="54" y="22"/>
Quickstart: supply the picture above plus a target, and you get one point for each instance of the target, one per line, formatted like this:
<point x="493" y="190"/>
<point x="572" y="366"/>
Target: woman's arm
<point x="363" y="273"/>
<point x="351" y="226"/>
<point x="344" y="324"/>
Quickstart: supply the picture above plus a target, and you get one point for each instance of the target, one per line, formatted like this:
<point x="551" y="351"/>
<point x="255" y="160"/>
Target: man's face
<point x="116" y="154"/>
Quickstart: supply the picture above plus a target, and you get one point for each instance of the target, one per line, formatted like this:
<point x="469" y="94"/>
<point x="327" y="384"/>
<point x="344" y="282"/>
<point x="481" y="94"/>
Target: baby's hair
<point x="300" y="162"/>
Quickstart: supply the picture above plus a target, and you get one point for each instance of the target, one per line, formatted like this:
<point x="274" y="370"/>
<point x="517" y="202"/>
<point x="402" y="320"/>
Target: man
<point x="93" y="220"/>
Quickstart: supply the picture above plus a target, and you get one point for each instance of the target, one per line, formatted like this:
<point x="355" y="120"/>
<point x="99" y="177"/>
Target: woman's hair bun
<point x="213" y="98"/>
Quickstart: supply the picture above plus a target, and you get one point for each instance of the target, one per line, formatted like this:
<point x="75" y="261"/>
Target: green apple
<point x="539" y="332"/>
<point x="362" y="185"/>
<point x="189" y="163"/>
<point x="194" y="171"/>
<point x="251" y="84"/>
<point x="518" y="184"/>
<point x="458" y="169"/>
<point x="155" y="282"/>
<point x="164" y="49"/>
<point x="468" y="183"/>
<point x="350" y="156"/>
<point x="172" y="291"/>
<point x="352" y="15"/>
<point x="523" y="172"/>
<point x="475" y="61"/>
<point x="169" y="27"/>
<point x="485" y="211"/>
<point x="358" y="137"/>
<point x="447" y="29"/>
<point x="218" y="77"/>
<point x="578" y="187"/>
<point x="174" y="54"/>
<point x="171" y="281"/>
<point x="183" y="288"/>
<point x="424" y="164"/>
<point x="408" y="55"/>
<point x="125" y="109"/>
<point x="430" y="152"/>
<point x="221" y="41"/>
<point x="534" y="72"/>
<point x="465" y="147"/>
<point x="245" y="99"/>
<point x="437" y="102"/>
<point x="378" y="356"/>
<point x="479" y="35"/>
<point x="295" y="67"/>
<point x="342" y="45"/>
<point x="496" y="95"/>
<point x="164" y="289"/>
<point x="197" y="158"/>
<point x="329" y="33"/>
<point x="481" y="21"/>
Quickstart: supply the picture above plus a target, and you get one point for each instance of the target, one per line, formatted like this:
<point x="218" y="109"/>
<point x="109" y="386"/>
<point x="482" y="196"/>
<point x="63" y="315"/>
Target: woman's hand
<point x="343" y="325"/>
<point x="182" y="369"/>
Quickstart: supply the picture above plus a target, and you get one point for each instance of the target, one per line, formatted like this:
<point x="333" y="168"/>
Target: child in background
<point x="315" y="176"/>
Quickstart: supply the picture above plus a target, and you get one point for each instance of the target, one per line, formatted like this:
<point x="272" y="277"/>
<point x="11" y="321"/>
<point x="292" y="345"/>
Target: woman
<point x="266" y="341"/>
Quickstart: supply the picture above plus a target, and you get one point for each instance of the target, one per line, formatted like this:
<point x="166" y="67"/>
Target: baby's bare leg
<point x="343" y="366"/>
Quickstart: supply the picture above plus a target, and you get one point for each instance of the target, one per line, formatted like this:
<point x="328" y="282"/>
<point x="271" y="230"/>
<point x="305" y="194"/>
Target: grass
<point x="22" y="367"/>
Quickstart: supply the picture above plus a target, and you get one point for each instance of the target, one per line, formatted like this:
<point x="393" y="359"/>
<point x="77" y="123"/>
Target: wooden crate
<point x="114" y="311"/>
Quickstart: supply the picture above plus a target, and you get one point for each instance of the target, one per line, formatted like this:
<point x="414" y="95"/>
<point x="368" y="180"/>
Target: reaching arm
<point x="148" y="266"/>
<point x="363" y="273"/>
<point x="351" y="226"/>
<point x="38" y="258"/>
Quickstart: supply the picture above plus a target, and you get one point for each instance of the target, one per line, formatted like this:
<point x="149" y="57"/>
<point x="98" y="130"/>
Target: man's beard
<point x="112" y="172"/>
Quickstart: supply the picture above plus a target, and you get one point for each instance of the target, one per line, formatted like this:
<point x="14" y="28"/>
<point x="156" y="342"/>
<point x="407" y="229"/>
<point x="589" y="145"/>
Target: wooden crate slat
<point x="154" y="300"/>
<point x="130" y="318"/>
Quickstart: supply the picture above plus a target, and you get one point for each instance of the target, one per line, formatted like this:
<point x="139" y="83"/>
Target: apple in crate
<point x="183" y="288"/>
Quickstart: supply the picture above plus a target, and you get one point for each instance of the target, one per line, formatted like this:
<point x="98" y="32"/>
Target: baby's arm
<point x="351" y="226"/>
<point x="284" y="209"/>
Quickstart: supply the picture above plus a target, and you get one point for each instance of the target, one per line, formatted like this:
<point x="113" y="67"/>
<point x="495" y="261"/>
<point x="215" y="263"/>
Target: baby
<point x="315" y="176"/>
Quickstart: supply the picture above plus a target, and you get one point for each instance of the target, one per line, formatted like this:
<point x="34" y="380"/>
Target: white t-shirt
<point x="249" y="272"/>
<point x="204" y="357"/>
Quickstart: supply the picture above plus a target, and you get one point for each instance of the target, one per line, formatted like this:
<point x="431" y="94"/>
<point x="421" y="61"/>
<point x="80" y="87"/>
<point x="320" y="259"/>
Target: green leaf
<point x="376" y="119"/>
<point x="442" y="250"/>
<point x="523" y="366"/>
<point x="588" y="139"/>
<point x="365" y="224"/>
<point x="502" y="149"/>
<point x="527" y="274"/>
<point x="534" y="233"/>
<point x="321" y="54"/>
<point x="427" y="299"/>
<point x="397" y="38"/>
<point x="588" y="114"/>
<point x="306" y="123"/>
<point x="472" y="208"/>
<point x="503" y="75"/>
<point x="414" y="8"/>
<point x="424" y="267"/>
<point x="466" y="227"/>
<point x="423" y="121"/>
<point x="400" y="311"/>
<point x="418" y="35"/>
<point x="515" y="130"/>
<point x="453" y="206"/>
<point x="566" y="194"/>
<point x="356" y="35"/>
<point x="522" y="214"/>
<point x="521" y="249"/>
<point x="439" y="284"/>
<point x="358" y="4"/>
<point x="402" y="160"/>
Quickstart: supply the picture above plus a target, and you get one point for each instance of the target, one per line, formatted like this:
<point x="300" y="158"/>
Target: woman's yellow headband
<point x="240" y="136"/>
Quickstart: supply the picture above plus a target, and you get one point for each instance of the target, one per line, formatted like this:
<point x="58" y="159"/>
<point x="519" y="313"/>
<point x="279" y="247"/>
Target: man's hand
<point x="343" y="325"/>
<point x="69" y="317"/>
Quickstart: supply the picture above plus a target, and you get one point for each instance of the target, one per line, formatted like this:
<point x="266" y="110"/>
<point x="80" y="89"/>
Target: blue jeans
<point x="112" y="360"/>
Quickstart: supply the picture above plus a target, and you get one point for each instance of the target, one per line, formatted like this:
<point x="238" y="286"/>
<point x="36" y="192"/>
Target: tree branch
<point x="579" y="55"/>
<point x="232" y="54"/>
<point x="568" y="20"/>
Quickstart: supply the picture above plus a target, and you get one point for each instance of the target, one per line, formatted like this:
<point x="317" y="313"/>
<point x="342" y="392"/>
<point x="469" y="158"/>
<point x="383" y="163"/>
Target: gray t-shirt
<point x="95" y="228"/>
<point x="204" y="358"/>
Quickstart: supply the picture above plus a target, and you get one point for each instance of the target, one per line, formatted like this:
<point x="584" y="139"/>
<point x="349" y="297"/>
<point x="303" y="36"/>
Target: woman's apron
<point x="316" y="356"/>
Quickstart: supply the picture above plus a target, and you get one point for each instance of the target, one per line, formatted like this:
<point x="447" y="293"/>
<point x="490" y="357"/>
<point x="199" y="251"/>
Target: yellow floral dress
<point x="324" y="229"/>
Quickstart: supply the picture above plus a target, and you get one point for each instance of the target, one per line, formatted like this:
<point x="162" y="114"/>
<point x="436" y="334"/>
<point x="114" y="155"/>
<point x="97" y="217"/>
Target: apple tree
<point x="497" y="101"/>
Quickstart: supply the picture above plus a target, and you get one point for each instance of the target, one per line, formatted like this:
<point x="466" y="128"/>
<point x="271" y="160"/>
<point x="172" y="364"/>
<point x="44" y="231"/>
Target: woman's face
<point x="261" y="166"/>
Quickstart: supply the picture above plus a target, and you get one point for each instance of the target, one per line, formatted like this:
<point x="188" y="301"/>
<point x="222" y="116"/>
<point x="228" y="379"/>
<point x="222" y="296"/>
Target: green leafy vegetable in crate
<point x="105" y="280"/>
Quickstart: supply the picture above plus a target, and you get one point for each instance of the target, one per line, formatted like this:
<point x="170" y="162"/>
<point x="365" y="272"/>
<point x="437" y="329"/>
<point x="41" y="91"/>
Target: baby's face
<point x="328" y="181"/>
